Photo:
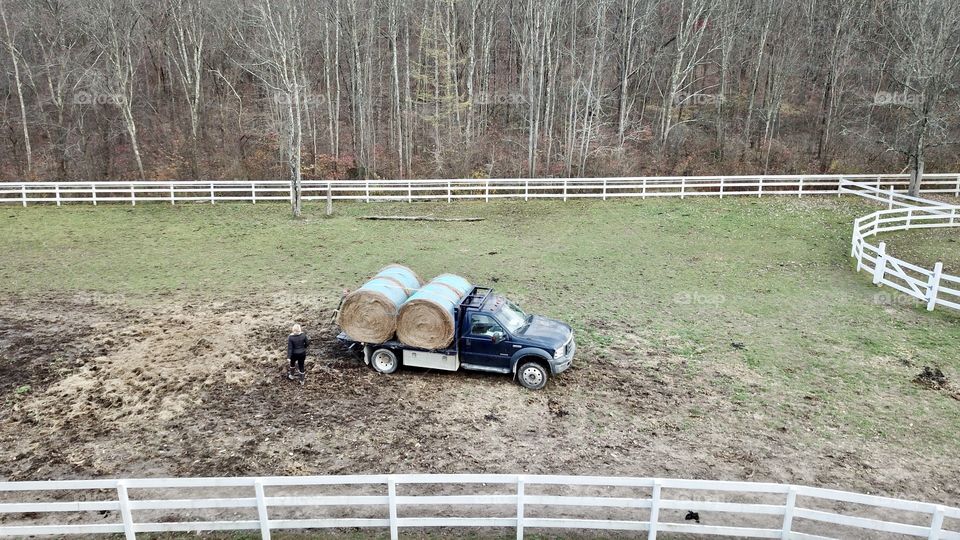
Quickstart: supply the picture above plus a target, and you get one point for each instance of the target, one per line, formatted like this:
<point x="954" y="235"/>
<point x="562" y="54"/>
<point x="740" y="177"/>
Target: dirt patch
<point x="190" y="389"/>
<point x="38" y="345"/>
<point x="933" y="378"/>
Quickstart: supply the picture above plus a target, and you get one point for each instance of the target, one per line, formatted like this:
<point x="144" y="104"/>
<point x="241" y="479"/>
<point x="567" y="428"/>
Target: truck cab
<point x="492" y="335"/>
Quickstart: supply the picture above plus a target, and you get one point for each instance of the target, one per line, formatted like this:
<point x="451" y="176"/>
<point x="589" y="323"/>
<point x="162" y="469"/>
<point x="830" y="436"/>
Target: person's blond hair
<point x="296" y="329"/>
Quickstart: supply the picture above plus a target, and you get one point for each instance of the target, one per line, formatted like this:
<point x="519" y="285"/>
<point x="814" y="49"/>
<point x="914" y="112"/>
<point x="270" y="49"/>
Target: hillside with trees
<point x="250" y="89"/>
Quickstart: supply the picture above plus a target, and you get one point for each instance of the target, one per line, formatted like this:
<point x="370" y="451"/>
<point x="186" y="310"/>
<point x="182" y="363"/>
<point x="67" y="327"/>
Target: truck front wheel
<point x="384" y="361"/>
<point x="532" y="375"/>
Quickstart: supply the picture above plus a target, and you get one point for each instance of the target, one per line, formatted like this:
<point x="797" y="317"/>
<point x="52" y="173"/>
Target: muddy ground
<point x="99" y="387"/>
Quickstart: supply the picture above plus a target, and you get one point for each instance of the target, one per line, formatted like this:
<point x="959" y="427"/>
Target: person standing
<point x="297" y="343"/>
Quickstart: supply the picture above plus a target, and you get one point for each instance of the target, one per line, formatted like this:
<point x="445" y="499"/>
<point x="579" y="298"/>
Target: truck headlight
<point x="558" y="354"/>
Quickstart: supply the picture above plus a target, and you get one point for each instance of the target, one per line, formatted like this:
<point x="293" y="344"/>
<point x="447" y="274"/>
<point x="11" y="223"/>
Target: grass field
<point x="754" y="302"/>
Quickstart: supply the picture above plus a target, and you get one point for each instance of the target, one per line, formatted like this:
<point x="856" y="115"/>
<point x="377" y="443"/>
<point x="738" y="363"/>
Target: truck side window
<point x="484" y="325"/>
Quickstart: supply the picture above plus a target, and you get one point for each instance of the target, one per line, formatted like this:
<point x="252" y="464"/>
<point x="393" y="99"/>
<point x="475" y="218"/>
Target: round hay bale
<point x="369" y="314"/>
<point x="426" y="320"/>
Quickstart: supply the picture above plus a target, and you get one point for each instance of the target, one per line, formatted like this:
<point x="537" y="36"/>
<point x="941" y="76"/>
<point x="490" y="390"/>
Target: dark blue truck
<point x="493" y="335"/>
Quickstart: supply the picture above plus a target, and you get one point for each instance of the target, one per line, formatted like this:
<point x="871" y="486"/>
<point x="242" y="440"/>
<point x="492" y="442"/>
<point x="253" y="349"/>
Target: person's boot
<point x="302" y="376"/>
<point x="290" y="372"/>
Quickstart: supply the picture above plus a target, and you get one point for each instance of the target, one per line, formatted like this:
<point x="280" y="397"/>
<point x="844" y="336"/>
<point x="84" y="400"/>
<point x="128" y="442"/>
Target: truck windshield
<point x="512" y="317"/>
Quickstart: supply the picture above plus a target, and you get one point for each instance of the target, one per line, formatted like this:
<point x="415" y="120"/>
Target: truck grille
<point x="568" y="347"/>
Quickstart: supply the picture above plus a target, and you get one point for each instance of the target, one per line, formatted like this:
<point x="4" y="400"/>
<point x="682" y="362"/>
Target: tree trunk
<point x="16" y="78"/>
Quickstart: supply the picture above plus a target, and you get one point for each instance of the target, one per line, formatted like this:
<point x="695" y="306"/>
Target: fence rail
<point x="174" y="192"/>
<point x="652" y="505"/>
<point x="903" y="213"/>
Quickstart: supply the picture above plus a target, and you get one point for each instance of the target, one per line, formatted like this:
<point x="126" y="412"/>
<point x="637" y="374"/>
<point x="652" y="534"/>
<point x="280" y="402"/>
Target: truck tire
<point x="532" y="375"/>
<point x="384" y="361"/>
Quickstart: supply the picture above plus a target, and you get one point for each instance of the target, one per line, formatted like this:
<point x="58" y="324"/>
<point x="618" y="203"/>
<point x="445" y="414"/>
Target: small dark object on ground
<point x="556" y="409"/>
<point x="739" y="345"/>
<point x="419" y="218"/>
<point x="691" y="515"/>
<point x="931" y="377"/>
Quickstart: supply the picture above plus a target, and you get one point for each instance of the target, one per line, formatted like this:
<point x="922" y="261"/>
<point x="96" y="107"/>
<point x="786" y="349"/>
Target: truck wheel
<point x="384" y="361"/>
<point x="532" y="375"/>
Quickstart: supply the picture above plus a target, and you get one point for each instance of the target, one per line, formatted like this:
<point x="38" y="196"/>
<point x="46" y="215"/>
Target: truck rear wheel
<point x="384" y="361"/>
<point x="532" y="375"/>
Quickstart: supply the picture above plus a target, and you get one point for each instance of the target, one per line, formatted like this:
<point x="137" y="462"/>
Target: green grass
<point x="926" y="246"/>
<point x="689" y="277"/>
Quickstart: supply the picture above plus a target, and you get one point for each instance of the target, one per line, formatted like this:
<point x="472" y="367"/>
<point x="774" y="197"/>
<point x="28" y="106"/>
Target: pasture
<point x="718" y="339"/>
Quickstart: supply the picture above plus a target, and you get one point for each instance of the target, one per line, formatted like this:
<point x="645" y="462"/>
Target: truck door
<point x="479" y="346"/>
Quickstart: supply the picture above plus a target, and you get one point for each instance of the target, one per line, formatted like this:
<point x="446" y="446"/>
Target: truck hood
<point x="544" y="332"/>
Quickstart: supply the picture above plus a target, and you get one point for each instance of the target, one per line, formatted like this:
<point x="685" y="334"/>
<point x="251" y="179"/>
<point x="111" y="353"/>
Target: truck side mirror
<point x="496" y="337"/>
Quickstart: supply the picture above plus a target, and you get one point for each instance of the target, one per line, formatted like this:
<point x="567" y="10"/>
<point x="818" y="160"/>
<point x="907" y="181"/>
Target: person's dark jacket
<point x="297" y="344"/>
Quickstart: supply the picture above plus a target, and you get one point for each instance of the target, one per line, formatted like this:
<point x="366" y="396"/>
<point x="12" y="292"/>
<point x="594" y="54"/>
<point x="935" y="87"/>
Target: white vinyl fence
<point x="418" y="501"/>
<point x="903" y="213"/>
<point x="174" y="192"/>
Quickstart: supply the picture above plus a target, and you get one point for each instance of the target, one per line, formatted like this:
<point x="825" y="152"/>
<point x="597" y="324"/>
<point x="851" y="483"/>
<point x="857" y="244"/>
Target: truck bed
<point x="392" y="344"/>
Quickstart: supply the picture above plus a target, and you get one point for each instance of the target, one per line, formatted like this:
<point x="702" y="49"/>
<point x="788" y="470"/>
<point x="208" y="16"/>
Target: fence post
<point x="936" y="523"/>
<point x="392" y="505"/>
<point x="23" y="193"/>
<point x="721" y="187"/>
<point x="881" y="267"/>
<point x="93" y="191"/>
<point x="449" y="191"/>
<point x="800" y="188"/>
<point x="486" y="190"/>
<point x="409" y="191"/>
<point x="760" y="187"/>
<point x="526" y="190"/>
<point x="957" y="192"/>
<point x="133" y="195"/>
<point x="933" y="286"/>
<point x="253" y="192"/>
<point x="173" y="196"/>
<point x="262" y="511"/>
<point x="683" y="186"/>
<point x="654" y="510"/>
<point x="644" y="192"/>
<point x="367" y="184"/>
<point x="58" y="193"/>
<point x="520" y="508"/>
<point x="211" y="193"/>
<point x="564" y="190"/>
<point x="890" y="199"/>
<point x="125" y="513"/>
<point x="604" y="189"/>
<point x="788" y="512"/>
<point x="329" y="198"/>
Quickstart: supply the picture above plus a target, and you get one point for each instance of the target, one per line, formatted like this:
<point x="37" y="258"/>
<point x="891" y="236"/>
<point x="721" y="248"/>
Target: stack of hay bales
<point x="395" y="301"/>
<point x="427" y="319"/>
<point x="369" y="314"/>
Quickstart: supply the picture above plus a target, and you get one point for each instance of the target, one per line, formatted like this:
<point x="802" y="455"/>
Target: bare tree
<point x="188" y="36"/>
<point x="15" y="60"/>
<point x="689" y="52"/>
<point x="464" y="87"/>
<point x="925" y="37"/>
<point x="114" y="26"/>
<point x="270" y="35"/>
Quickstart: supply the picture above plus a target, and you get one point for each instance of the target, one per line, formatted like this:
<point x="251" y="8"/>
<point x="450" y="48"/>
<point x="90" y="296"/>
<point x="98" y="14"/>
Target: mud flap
<point x="366" y="354"/>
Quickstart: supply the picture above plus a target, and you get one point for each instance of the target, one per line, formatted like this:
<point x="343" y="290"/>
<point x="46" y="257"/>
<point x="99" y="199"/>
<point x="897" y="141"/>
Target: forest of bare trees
<point x="120" y="89"/>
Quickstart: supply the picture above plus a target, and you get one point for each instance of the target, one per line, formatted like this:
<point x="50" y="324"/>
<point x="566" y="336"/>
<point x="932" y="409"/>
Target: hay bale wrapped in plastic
<point x="426" y="319"/>
<point x="369" y="314"/>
